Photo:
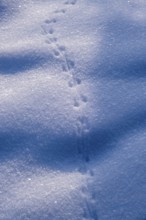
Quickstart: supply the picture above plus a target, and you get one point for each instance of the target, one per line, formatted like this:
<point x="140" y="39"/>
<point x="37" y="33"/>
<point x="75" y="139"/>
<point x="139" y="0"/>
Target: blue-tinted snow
<point x="72" y="110"/>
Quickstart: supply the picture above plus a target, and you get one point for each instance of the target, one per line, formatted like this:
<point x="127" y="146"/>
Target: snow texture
<point x="72" y="110"/>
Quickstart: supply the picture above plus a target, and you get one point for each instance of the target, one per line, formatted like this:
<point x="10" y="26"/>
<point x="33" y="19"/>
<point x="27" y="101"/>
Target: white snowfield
<point x="72" y="110"/>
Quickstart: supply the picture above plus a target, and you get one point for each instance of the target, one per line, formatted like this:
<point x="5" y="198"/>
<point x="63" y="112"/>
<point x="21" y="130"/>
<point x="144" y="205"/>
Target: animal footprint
<point x="64" y="67"/>
<point x="48" y="30"/>
<point x="83" y="126"/>
<point x="76" y="103"/>
<point x="70" y="63"/>
<point x="84" y="98"/>
<point x="74" y="82"/>
<point x="90" y="209"/>
<point x="51" y="40"/>
<point x="83" y="121"/>
<point x="56" y="53"/>
<point x="70" y="2"/>
<point x="61" y="48"/>
<point x="60" y="11"/>
<point x="49" y="21"/>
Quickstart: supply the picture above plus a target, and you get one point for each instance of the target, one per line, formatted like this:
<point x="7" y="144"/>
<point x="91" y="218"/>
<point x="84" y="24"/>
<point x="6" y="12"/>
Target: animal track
<point x="68" y="66"/>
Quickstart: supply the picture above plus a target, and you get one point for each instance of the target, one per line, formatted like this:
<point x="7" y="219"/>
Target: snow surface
<point x="72" y="110"/>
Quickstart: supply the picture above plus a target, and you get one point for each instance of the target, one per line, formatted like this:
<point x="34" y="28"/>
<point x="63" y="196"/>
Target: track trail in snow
<point x="80" y="100"/>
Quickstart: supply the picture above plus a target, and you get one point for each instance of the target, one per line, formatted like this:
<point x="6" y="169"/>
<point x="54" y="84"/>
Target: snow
<point x="72" y="110"/>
